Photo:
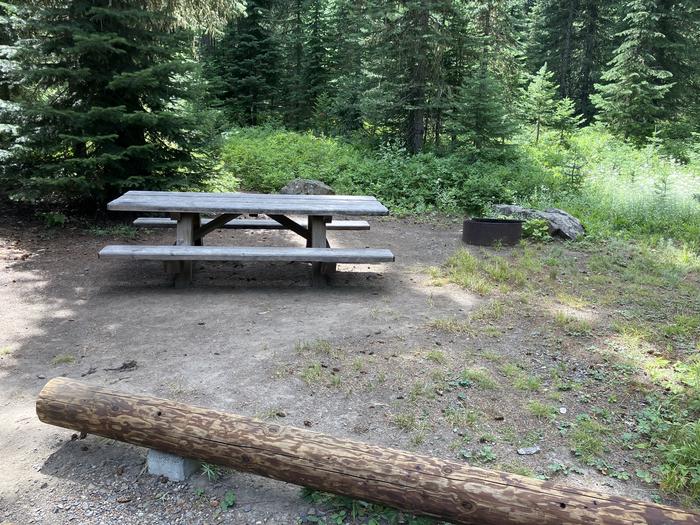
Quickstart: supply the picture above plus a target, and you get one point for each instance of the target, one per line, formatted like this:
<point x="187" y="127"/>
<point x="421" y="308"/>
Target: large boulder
<point x="561" y="224"/>
<point x="307" y="187"/>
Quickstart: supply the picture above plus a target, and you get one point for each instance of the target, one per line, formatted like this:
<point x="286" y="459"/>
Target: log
<point x="415" y="483"/>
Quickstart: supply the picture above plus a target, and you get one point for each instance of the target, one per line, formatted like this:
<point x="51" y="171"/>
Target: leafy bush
<point x="265" y="159"/>
<point x="615" y="189"/>
<point x="536" y="230"/>
<point x="624" y="192"/>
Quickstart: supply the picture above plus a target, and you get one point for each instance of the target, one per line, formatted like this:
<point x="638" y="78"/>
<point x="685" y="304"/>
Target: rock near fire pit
<point x="307" y="187"/>
<point x="561" y="224"/>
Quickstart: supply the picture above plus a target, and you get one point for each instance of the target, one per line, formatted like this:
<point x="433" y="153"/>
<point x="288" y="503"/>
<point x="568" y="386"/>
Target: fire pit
<point x="487" y="232"/>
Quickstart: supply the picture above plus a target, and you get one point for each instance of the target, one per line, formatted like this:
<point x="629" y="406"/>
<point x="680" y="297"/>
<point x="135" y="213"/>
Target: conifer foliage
<point x="112" y="116"/>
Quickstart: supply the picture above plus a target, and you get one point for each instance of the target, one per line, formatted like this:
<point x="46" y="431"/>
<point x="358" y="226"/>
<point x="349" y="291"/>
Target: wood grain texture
<point x="237" y="203"/>
<point x="318" y="239"/>
<point x="185" y="237"/>
<point x="421" y="484"/>
<point x="251" y="224"/>
<point x="245" y="253"/>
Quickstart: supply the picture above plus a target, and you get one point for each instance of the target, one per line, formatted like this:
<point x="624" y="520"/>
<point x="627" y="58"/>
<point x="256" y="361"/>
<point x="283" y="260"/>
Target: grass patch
<point x="682" y="326"/>
<point x="479" y="377"/>
<point x="492" y="311"/>
<point x="5" y="350"/>
<point x="572" y="325"/>
<point x="405" y="421"/>
<point x="451" y="325"/>
<point x="63" y="359"/>
<point x="528" y="383"/>
<point x="587" y="438"/>
<point x="319" y="346"/>
<point x="312" y="374"/>
<point x="436" y="356"/>
<point x="542" y="410"/>
<point x="460" y="417"/>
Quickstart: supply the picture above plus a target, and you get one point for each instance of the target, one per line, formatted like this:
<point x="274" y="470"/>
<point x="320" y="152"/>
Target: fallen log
<point x="419" y="484"/>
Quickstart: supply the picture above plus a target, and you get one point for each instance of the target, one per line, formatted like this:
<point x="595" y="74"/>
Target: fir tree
<point x="243" y="66"/>
<point x="631" y="97"/>
<point x="539" y="101"/>
<point x="565" y="119"/>
<point x="479" y="116"/>
<point x="112" y="118"/>
<point x="348" y="56"/>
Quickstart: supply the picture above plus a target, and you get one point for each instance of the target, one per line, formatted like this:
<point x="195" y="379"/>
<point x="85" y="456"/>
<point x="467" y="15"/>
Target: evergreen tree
<point x="243" y="65"/>
<point x="565" y="119"/>
<point x="350" y="24"/>
<point x="111" y="119"/>
<point x="316" y="74"/>
<point x="573" y="37"/>
<point x="631" y="97"/>
<point x="478" y="116"/>
<point x="539" y="101"/>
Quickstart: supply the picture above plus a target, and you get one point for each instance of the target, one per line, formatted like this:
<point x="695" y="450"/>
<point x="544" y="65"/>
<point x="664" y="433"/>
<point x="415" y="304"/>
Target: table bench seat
<point x="225" y="253"/>
<point x="250" y="224"/>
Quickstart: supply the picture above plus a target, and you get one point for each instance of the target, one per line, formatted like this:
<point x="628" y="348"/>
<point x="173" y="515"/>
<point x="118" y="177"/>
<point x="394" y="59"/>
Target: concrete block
<point x="172" y="467"/>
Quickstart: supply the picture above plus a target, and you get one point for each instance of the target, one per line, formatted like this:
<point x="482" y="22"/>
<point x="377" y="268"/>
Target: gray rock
<point x="307" y="187"/>
<point x="529" y="451"/>
<point x="561" y="224"/>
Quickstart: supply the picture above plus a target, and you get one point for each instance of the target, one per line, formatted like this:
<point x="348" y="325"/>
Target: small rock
<point x="123" y="499"/>
<point x="41" y="376"/>
<point x="307" y="187"/>
<point x="562" y="410"/>
<point x="528" y="451"/>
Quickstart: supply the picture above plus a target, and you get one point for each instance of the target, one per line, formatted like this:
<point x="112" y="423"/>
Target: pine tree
<point x="539" y="101"/>
<point x="115" y="80"/>
<point x="631" y="97"/>
<point x="243" y="66"/>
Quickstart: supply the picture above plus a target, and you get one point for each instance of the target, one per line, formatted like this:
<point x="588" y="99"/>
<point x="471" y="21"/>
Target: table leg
<point x="185" y="237"/>
<point x="317" y="239"/>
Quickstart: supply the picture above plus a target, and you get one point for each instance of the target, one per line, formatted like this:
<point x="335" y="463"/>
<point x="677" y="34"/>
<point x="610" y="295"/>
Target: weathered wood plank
<point x="185" y="238"/>
<point x="444" y="489"/>
<point x="213" y="224"/>
<point x="292" y="225"/>
<point x="317" y="239"/>
<point x="278" y="196"/>
<point x="252" y="224"/>
<point x="242" y="253"/>
<point x="244" y="203"/>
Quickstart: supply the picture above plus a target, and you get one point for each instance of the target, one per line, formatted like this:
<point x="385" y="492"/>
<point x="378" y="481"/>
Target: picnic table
<point x="185" y="212"/>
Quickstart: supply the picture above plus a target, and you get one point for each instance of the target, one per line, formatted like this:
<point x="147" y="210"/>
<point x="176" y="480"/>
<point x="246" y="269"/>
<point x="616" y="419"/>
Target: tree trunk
<point x="420" y="484"/>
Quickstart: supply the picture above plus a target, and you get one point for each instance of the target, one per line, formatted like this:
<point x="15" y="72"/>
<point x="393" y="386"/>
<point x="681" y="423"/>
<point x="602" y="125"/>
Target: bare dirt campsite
<point x="536" y="359"/>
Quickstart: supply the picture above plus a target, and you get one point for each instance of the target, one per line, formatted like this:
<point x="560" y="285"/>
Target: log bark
<point x="419" y="484"/>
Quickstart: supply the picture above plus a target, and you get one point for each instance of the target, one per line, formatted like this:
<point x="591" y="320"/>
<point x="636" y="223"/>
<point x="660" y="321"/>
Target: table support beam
<point x="214" y="224"/>
<point x="294" y="226"/>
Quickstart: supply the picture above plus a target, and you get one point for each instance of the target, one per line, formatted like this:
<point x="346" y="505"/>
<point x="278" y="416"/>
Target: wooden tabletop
<point x="194" y="202"/>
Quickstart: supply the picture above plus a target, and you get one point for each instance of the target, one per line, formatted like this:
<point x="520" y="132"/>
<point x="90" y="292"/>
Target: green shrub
<point x="536" y="230"/>
<point x="265" y="159"/>
<point x="615" y="189"/>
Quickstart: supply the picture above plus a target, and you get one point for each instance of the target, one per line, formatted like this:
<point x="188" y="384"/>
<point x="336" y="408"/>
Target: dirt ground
<point x="364" y="359"/>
